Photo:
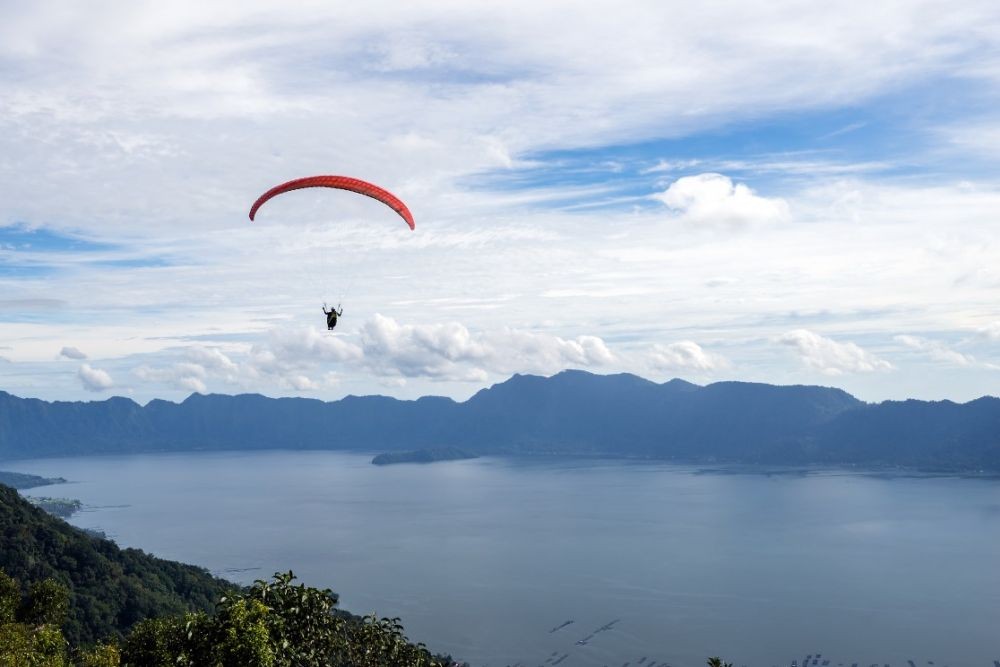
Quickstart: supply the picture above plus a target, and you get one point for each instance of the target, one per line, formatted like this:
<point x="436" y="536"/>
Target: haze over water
<point x="484" y="558"/>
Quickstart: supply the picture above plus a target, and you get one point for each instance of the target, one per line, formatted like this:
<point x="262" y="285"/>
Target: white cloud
<point x="288" y="352"/>
<point x="445" y="351"/>
<point x="301" y="383"/>
<point x="451" y="351"/>
<point x="980" y="138"/>
<point x="990" y="331"/>
<point x="936" y="350"/>
<point x="213" y="362"/>
<point x="685" y="355"/>
<point x="714" y="199"/>
<point x="830" y="357"/>
<point x="184" y="375"/>
<point x="94" y="379"/>
<point x="191" y="383"/>
<point x="72" y="353"/>
<point x="289" y="355"/>
<point x="517" y="350"/>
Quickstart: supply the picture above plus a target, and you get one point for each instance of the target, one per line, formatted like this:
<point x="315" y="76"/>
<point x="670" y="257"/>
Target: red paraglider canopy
<point x="340" y="183"/>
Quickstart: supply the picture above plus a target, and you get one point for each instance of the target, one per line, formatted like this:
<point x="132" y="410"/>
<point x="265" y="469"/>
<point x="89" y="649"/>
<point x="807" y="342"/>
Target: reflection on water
<point x="544" y="562"/>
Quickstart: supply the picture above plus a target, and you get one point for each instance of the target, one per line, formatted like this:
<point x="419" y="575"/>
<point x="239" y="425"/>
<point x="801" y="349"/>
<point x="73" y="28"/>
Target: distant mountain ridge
<point x="573" y="412"/>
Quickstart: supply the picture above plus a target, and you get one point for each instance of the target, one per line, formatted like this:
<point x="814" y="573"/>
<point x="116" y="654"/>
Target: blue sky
<point x="778" y="192"/>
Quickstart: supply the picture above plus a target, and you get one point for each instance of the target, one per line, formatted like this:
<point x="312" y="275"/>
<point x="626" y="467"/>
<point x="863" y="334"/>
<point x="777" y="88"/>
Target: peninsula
<point x="20" y="480"/>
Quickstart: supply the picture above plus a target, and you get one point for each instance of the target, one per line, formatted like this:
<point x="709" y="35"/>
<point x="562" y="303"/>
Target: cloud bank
<point x="830" y="357"/>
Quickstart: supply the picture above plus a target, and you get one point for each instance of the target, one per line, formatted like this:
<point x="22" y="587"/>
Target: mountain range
<point x="571" y="413"/>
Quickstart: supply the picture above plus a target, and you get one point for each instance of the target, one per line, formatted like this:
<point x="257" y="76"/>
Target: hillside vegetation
<point x="110" y="589"/>
<point x="67" y="598"/>
<point x="571" y="413"/>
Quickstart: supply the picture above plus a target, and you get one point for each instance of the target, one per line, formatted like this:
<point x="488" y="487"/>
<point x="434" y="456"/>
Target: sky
<point x="787" y="192"/>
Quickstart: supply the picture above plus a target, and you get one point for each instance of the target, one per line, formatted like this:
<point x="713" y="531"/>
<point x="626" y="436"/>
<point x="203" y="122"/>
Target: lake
<point x="484" y="558"/>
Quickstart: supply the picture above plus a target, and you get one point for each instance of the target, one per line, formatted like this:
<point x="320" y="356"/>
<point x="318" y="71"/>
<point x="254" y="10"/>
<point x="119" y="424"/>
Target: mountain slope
<point x="573" y="412"/>
<point x="111" y="589"/>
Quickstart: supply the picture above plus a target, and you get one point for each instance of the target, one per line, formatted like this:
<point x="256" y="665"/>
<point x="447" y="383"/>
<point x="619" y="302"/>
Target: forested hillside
<point x="110" y="589"/>
<point x="67" y="598"/>
<point x="573" y="413"/>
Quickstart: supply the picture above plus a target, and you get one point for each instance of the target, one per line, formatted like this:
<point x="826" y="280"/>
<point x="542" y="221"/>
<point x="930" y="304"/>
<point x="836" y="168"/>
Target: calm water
<point x="483" y="558"/>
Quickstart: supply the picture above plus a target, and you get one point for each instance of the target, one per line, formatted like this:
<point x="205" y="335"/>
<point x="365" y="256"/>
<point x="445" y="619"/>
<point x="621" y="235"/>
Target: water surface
<point x="484" y="558"/>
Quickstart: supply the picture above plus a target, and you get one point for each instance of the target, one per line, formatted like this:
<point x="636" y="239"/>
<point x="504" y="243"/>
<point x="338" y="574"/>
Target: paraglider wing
<point x="340" y="183"/>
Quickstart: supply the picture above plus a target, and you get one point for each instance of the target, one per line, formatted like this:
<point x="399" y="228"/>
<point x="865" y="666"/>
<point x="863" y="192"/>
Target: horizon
<point x="787" y="194"/>
<point x="487" y="387"/>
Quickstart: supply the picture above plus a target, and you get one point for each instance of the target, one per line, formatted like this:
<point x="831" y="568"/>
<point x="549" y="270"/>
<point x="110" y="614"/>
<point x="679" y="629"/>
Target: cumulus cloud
<point x="194" y="368"/>
<point x="441" y="351"/>
<point x="294" y="345"/>
<point x="301" y="383"/>
<point x="830" y="357"/>
<point x="185" y="375"/>
<point x="94" y="379"/>
<point x="685" y="355"/>
<point x="936" y="350"/>
<point x="72" y="353"/>
<point x="545" y="353"/>
<point x="715" y="199"/>
<point x="450" y="351"/>
<point x="990" y="331"/>
<point x="211" y="358"/>
<point x="289" y="355"/>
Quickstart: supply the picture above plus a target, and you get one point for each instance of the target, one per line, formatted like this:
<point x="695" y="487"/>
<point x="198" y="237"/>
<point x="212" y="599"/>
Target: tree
<point x="47" y="603"/>
<point x="10" y="598"/>
<point x="274" y="624"/>
<point x="29" y="627"/>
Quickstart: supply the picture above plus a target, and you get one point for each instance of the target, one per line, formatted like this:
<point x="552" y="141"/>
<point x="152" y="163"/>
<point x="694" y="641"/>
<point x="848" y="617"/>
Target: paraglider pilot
<point x="331" y="316"/>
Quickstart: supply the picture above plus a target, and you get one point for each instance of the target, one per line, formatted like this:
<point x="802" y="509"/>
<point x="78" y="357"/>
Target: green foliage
<point x="47" y="603"/>
<point x="717" y="662"/>
<point x="102" y="655"/>
<point x="23" y="645"/>
<point x="379" y="642"/>
<point x="301" y="624"/>
<point x="29" y="628"/>
<point x="236" y="636"/>
<point x="10" y="598"/>
<point x="110" y="589"/>
<point x="156" y="642"/>
<point x="274" y="624"/>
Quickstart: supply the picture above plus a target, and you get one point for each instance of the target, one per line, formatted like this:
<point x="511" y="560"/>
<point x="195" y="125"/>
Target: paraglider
<point x="339" y="183"/>
<point x="331" y="316"/>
